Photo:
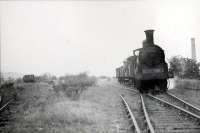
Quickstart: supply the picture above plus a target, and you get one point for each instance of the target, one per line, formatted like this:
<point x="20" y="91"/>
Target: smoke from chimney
<point x="193" y="49"/>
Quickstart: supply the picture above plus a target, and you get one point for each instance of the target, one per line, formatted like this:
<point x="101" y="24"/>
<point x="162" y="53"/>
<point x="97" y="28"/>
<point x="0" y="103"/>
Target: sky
<point x="68" y="37"/>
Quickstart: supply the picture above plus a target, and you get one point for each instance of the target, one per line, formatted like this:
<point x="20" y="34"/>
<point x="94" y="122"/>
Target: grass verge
<point x="187" y="84"/>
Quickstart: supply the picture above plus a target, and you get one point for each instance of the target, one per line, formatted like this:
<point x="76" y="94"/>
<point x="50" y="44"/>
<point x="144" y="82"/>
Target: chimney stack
<point x="193" y="49"/>
<point x="149" y="36"/>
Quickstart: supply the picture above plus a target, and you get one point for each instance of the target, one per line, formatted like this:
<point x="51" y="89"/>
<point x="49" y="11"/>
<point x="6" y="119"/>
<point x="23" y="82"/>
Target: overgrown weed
<point x="48" y="110"/>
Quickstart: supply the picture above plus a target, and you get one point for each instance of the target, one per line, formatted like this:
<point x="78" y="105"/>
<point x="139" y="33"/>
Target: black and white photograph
<point x="99" y="66"/>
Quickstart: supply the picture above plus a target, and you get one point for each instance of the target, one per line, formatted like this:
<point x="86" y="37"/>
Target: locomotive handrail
<point x="136" y="50"/>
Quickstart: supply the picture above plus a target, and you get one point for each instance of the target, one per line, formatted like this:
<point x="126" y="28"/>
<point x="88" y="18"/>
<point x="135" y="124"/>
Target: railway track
<point x="169" y="114"/>
<point x="171" y="98"/>
<point x="191" y="96"/>
<point x="133" y="123"/>
<point x="141" y="124"/>
<point x="5" y="105"/>
<point x="170" y="118"/>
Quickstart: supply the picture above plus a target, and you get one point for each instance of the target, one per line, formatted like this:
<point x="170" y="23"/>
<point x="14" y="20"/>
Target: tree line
<point x="184" y="67"/>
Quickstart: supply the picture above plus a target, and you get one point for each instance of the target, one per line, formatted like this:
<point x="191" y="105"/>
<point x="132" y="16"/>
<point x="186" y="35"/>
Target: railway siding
<point x="166" y="119"/>
<point x="188" y="95"/>
<point x="180" y="102"/>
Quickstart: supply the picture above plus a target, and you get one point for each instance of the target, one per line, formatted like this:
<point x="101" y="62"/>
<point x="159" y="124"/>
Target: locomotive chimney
<point x="193" y="50"/>
<point x="149" y="36"/>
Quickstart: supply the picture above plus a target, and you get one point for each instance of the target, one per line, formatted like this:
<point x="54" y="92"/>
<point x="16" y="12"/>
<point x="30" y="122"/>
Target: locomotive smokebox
<point x="149" y="37"/>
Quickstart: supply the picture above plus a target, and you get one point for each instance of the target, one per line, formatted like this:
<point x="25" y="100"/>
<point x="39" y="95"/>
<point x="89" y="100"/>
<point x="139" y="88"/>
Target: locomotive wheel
<point x="139" y="85"/>
<point x="145" y="86"/>
<point x="151" y="86"/>
<point x="162" y="84"/>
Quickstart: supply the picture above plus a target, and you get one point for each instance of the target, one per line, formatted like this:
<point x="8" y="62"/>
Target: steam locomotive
<point x="147" y="68"/>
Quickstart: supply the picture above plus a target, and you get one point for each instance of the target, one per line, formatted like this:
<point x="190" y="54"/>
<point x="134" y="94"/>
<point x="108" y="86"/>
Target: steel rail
<point x="175" y="107"/>
<point x="150" y="127"/>
<point x="132" y="90"/>
<point x="195" y="109"/>
<point x="6" y="104"/>
<point x="136" y="127"/>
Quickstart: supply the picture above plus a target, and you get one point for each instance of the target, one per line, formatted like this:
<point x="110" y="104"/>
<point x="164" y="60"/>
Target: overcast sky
<point x="94" y="36"/>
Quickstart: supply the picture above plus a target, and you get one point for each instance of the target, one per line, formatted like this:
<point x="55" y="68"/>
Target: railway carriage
<point x="125" y="72"/>
<point x="29" y="78"/>
<point x="131" y="60"/>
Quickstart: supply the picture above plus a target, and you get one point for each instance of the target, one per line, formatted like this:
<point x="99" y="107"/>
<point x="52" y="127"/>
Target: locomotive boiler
<point x="147" y="68"/>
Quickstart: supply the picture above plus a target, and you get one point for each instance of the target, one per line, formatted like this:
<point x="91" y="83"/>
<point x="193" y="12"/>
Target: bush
<point x="1" y="80"/>
<point x="185" y="67"/>
<point x="73" y="85"/>
<point x="48" y="78"/>
<point x="19" y="81"/>
<point x="7" y="92"/>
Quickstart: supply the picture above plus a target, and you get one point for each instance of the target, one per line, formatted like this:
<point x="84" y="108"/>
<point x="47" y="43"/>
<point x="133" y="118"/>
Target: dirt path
<point x="106" y="103"/>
